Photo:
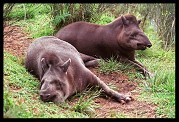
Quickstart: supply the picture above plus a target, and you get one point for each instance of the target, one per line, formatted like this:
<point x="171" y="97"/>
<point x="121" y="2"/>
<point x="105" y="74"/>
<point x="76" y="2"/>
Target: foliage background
<point x="161" y="15"/>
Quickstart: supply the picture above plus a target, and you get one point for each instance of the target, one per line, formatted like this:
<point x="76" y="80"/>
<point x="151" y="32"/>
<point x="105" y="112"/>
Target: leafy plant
<point x="60" y="17"/>
<point x="86" y="103"/>
<point x="105" y="19"/>
<point x="108" y="66"/>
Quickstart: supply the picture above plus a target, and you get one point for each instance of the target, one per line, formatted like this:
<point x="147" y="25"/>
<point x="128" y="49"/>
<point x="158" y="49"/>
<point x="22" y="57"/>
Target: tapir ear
<point x="66" y="65"/>
<point x="139" y="21"/>
<point x="124" y="20"/>
<point x="43" y="64"/>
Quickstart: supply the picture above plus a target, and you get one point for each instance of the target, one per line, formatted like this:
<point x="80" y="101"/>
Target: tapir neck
<point x="125" y="53"/>
<point x="117" y="23"/>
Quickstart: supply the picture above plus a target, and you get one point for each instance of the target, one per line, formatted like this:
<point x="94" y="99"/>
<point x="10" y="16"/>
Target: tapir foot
<point x="92" y="63"/>
<point x="89" y="61"/>
<point x="148" y="74"/>
<point x="125" y="99"/>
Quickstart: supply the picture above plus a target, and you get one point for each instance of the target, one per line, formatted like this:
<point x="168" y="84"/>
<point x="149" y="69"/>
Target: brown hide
<point x="118" y="39"/>
<point x="61" y="70"/>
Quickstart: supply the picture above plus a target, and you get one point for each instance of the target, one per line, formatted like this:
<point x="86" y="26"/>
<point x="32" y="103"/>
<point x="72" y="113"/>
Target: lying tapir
<point x="61" y="70"/>
<point x="118" y="39"/>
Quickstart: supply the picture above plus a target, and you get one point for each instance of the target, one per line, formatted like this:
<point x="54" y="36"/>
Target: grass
<point x="88" y="106"/>
<point x="160" y="88"/>
<point x="28" y="11"/>
<point x="115" y="114"/>
<point x="25" y="15"/>
<point x="21" y="99"/>
<point x="110" y="65"/>
<point x="43" y="26"/>
<point x="105" y="19"/>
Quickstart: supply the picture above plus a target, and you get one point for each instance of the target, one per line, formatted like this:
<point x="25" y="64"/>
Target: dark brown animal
<point x="118" y="39"/>
<point x="61" y="70"/>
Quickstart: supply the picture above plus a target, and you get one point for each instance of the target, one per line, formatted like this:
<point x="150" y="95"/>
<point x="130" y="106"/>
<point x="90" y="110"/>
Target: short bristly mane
<point x="115" y="22"/>
<point x="118" y="21"/>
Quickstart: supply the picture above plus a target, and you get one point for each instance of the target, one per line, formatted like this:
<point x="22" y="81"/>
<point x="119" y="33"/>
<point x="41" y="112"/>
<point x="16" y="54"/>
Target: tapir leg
<point x="89" y="61"/>
<point x="145" y="71"/>
<point x="95" y="81"/>
<point x="138" y="65"/>
<point x="142" y="68"/>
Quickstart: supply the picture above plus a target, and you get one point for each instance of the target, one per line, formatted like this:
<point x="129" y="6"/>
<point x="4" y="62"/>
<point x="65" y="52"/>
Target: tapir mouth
<point x="46" y="98"/>
<point x="143" y="47"/>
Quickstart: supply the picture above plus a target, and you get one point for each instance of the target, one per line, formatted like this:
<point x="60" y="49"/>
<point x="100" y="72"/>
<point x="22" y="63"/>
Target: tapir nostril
<point x="45" y="96"/>
<point x="149" y="45"/>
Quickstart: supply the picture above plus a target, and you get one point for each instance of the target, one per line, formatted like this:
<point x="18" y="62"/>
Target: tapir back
<point x="48" y="44"/>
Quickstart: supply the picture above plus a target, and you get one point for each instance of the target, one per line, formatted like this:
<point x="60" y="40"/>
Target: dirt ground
<point x="16" y="42"/>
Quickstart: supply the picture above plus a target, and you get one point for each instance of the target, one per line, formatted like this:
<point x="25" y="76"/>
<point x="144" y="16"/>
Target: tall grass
<point x="28" y="11"/>
<point x="160" y="88"/>
<point x="25" y="15"/>
<point x="43" y="26"/>
<point x="86" y="103"/>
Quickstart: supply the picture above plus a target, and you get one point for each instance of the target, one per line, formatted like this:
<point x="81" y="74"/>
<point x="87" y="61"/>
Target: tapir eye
<point x="133" y="35"/>
<point x="58" y="84"/>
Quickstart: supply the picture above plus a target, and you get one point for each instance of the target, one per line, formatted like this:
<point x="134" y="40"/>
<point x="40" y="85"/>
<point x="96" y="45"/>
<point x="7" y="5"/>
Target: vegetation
<point x="55" y="16"/>
<point x="21" y="99"/>
<point x="160" y="88"/>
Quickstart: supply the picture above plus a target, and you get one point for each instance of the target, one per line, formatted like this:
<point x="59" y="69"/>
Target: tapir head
<point x="131" y="36"/>
<point x="54" y="83"/>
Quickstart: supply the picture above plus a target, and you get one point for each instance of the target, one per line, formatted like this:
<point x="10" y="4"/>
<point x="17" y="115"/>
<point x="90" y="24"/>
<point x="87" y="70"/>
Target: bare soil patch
<point x="16" y="42"/>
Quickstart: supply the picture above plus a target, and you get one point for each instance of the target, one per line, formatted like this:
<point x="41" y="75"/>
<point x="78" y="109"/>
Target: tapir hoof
<point x="149" y="75"/>
<point x="126" y="99"/>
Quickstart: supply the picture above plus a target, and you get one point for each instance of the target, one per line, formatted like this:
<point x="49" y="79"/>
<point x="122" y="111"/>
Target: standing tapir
<point x="118" y="39"/>
<point x="61" y="70"/>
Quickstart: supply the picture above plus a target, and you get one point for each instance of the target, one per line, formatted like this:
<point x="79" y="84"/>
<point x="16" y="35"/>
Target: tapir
<point x="118" y="39"/>
<point x="61" y="71"/>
